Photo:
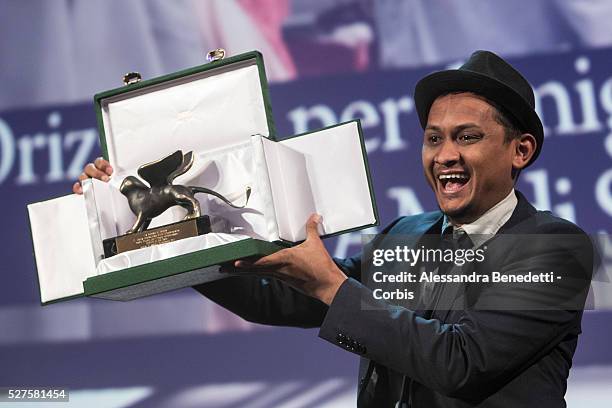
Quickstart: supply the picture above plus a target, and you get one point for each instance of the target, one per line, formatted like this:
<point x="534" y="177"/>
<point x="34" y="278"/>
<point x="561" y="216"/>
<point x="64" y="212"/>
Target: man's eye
<point x="469" y="138"/>
<point x="433" y="139"/>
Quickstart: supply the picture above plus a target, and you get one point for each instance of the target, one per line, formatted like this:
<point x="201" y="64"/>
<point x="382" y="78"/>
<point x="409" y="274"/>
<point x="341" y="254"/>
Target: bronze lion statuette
<point x="149" y="202"/>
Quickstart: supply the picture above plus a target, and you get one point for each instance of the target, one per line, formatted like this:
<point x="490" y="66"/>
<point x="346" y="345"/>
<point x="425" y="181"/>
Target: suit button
<point x="363" y="382"/>
<point x="340" y="338"/>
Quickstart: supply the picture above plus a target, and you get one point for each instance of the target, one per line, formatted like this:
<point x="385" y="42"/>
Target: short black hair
<point x="512" y="130"/>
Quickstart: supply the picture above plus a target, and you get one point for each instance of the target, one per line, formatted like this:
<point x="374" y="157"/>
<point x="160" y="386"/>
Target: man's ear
<point x="524" y="149"/>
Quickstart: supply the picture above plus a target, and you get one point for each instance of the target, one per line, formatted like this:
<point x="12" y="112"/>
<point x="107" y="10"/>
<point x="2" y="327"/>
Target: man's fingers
<point x="93" y="172"/>
<point x="103" y="166"/>
<point x="274" y="260"/>
<point x="100" y="169"/>
<point x="242" y="264"/>
<point x="76" y="188"/>
<point x="248" y="268"/>
<point x="312" y="231"/>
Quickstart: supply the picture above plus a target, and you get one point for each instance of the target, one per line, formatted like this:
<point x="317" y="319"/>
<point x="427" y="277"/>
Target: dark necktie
<point x="452" y="239"/>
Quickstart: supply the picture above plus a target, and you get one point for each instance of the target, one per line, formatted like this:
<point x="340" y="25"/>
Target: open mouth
<point x="453" y="182"/>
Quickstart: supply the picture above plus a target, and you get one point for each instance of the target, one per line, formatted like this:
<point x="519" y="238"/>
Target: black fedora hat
<point x="488" y="75"/>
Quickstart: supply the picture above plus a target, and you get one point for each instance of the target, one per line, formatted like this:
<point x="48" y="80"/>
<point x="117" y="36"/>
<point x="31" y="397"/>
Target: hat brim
<point x="432" y="86"/>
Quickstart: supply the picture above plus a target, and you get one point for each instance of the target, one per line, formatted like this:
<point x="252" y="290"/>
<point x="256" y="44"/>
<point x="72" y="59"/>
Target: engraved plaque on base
<point x="155" y="236"/>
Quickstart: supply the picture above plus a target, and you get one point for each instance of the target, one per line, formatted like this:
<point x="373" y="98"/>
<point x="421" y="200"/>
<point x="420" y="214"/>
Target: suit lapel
<point x="522" y="212"/>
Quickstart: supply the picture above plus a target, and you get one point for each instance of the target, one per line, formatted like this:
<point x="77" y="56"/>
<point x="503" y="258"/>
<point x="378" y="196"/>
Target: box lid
<point x="225" y="101"/>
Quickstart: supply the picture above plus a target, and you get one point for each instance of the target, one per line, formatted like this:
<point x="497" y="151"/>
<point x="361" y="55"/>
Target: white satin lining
<point x="154" y="253"/>
<point x="200" y="113"/>
<point x="62" y="245"/>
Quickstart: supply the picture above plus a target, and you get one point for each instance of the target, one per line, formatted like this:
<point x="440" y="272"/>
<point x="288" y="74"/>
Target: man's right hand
<point x="100" y="169"/>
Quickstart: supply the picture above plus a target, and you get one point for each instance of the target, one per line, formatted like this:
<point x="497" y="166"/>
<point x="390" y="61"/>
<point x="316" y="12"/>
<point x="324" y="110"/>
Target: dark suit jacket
<point x="485" y="353"/>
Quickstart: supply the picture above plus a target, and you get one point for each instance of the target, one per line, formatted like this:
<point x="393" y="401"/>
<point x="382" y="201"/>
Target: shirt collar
<point x="488" y="223"/>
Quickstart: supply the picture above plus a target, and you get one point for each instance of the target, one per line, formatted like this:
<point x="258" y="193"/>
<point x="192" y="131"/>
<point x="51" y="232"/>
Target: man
<point x="505" y="345"/>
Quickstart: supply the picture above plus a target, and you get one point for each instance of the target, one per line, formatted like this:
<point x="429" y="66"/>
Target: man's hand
<point x="99" y="169"/>
<point x="307" y="267"/>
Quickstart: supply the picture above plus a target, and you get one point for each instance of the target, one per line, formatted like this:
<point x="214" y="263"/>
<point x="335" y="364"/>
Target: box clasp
<point x="215" y="55"/>
<point x="131" y="78"/>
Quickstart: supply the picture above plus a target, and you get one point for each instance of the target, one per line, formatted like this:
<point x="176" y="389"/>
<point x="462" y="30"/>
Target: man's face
<point x="465" y="159"/>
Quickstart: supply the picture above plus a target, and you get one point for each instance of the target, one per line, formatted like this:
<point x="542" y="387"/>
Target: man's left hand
<point x="307" y="267"/>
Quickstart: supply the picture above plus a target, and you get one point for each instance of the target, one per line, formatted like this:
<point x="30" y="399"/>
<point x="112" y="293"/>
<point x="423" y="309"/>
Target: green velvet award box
<point x="221" y="112"/>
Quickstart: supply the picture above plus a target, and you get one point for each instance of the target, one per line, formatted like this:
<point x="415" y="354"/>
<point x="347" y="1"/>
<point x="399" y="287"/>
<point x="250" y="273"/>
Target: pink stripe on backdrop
<point x="269" y="16"/>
